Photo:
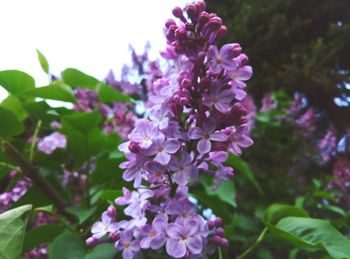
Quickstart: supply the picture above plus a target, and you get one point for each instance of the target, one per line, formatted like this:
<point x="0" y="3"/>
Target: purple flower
<point x="126" y="244"/>
<point x="133" y="168"/>
<point x="159" y="115"/>
<point x="223" y="173"/>
<point x="145" y="133"/>
<point x="218" y="98"/>
<point x="51" y="142"/>
<point x="205" y="135"/>
<point x="239" y="138"/>
<point x="183" y="168"/>
<point x="137" y="202"/>
<point x="155" y="234"/>
<point x="183" y="237"/>
<point x="239" y="75"/>
<point x="162" y="149"/>
<point x="156" y="172"/>
<point x="223" y="59"/>
<point x="106" y="225"/>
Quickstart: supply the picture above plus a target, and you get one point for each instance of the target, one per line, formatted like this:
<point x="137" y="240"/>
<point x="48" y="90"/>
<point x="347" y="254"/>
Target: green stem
<point x="34" y="141"/>
<point x="220" y="253"/>
<point x="9" y="166"/>
<point x="254" y="246"/>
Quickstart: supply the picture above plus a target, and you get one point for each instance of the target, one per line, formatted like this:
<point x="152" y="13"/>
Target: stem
<point x="31" y="171"/>
<point x="220" y="253"/>
<point x="32" y="147"/>
<point x="255" y="245"/>
<point x="8" y="166"/>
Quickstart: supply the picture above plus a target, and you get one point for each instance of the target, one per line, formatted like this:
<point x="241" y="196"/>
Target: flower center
<point x="183" y="237"/>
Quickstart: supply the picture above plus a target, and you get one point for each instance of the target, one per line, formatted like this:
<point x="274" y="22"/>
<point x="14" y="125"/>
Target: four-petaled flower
<point x="205" y="135"/>
<point x="106" y="225"/>
<point x="183" y="236"/>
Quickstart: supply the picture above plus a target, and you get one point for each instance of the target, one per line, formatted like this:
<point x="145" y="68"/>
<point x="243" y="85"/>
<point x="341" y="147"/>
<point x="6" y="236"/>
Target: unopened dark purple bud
<point x="112" y="212"/>
<point x="220" y="232"/>
<point x="91" y="241"/>
<point x="216" y="240"/>
<point x="189" y="27"/>
<point x="113" y="236"/>
<point x="134" y="147"/>
<point x="224" y="242"/>
<point x="214" y="23"/>
<point x="200" y="58"/>
<point x="200" y="6"/>
<point x="180" y="33"/>
<point x="218" y="221"/>
<point x="243" y="59"/>
<point x="222" y="32"/>
<point x="211" y="224"/>
<point x="178" y="13"/>
<point x="192" y="12"/>
<point x="185" y="83"/>
<point x="170" y="22"/>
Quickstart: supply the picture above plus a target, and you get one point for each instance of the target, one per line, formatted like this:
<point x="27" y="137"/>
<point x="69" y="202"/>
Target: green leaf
<point x="105" y="251"/>
<point x="55" y="91"/>
<point x="15" y="81"/>
<point x="67" y="246"/>
<point x="76" y="78"/>
<point x="240" y="165"/>
<point x="107" y="94"/>
<point x="12" y="228"/>
<point x="13" y="104"/>
<point x="82" y="214"/>
<point x="43" y="61"/>
<point x="41" y="234"/>
<point x="84" y="122"/>
<point x="275" y="212"/>
<point x="10" y="125"/>
<point x="313" y="234"/>
<point x="226" y="192"/>
<point x="110" y="195"/>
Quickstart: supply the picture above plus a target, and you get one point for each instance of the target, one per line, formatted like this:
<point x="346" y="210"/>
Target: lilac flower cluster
<point x="51" y="142"/>
<point x="21" y="187"/>
<point x="194" y="119"/>
<point x="40" y="252"/>
<point x="118" y="117"/>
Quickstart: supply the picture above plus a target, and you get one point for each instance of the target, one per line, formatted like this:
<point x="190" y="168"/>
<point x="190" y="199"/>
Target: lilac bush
<point x="192" y="122"/>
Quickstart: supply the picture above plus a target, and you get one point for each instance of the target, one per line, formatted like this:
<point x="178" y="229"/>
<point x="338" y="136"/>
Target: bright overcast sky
<point x="91" y="35"/>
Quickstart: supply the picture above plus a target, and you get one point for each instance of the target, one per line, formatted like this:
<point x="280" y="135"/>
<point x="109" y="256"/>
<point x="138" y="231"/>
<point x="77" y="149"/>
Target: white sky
<point x="91" y="35"/>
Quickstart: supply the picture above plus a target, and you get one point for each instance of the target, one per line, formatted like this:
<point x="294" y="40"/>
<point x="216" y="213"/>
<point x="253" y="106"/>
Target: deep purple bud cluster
<point x="194" y="119"/>
<point x="21" y="187"/>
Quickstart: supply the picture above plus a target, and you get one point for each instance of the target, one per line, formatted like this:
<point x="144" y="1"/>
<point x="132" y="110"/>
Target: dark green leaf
<point x="103" y="251"/>
<point x="240" y="165"/>
<point x="84" y="122"/>
<point x="110" y="195"/>
<point x="15" y="81"/>
<point x="67" y="246"/>
<point x="43" y="62"/>
<point x="55" y="91"/>
<point x="313" y="234"/>
<point x="10" y="125"/>
<point x="226" y="192"/>
<point x="107" y="94"/>
<point x="76" y="78"/>
<point x="12" y="228"/>
<point x="82" y="214"/>
<point x="13" y="104"/>
<point x="275" y="212"/>
<point x="41" y="234"/>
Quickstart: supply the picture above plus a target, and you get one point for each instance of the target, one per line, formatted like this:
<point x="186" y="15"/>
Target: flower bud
<point x="192" y="12"/>
<point x="112" y="212"/>
<point x="134" y="147"/>
<point x="220" y="232"/>
<point x="91" y="241"/>
<point x="169" y="23"/>
<point x="218" y="221"/>
<point x="113" y="236"/>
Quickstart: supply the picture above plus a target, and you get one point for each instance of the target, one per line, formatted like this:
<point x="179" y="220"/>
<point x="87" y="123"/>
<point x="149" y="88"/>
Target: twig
<point x="31" y="171"/>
